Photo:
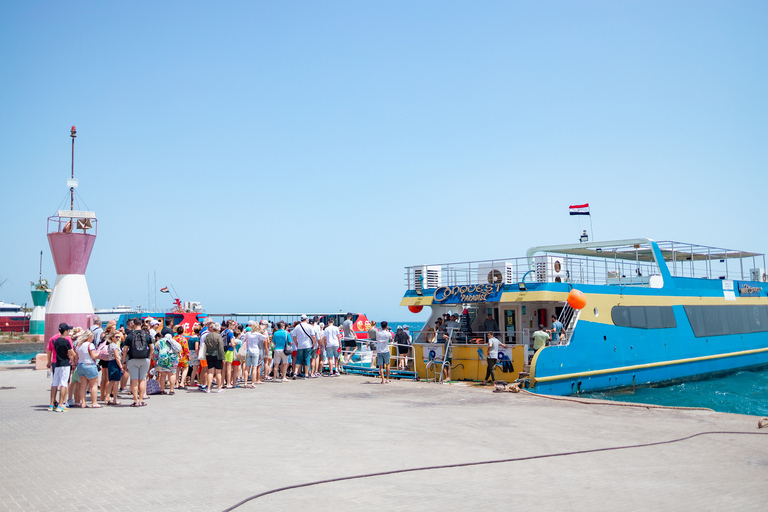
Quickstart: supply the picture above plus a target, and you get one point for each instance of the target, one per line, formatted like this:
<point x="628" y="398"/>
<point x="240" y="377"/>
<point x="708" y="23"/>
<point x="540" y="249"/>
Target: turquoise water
<point x="743" y="392"/>
<point x="17" y="357"/>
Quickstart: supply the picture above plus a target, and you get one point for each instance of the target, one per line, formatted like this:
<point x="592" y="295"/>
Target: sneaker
<point x="61" y="409"/>
<point x="208" y="391"/>
<point x="52" y="408"/>
<point x="70" y="402"/>
<point x="220" y="391"/>
<point x="284" y="380"/>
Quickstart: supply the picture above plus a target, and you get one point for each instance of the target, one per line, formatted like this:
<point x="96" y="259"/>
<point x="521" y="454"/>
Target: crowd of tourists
<point x="147" y="359"/>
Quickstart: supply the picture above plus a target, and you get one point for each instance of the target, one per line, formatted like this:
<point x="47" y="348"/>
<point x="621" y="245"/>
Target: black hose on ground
<point x="480" y="463"/>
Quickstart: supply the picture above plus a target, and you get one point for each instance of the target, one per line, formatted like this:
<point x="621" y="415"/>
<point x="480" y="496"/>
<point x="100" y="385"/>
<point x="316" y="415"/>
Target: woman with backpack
<point x="168" y="351"/>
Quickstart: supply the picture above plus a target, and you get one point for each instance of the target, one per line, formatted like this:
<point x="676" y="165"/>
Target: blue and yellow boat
<point x="656" y="312"/>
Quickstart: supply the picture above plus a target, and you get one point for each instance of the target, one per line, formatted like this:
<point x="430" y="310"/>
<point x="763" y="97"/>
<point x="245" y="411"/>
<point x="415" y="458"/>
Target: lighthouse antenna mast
<point x="73" y="134"/>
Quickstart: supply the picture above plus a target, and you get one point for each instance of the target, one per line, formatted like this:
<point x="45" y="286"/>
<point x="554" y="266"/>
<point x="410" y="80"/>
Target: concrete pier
<point x="201" y="452"/>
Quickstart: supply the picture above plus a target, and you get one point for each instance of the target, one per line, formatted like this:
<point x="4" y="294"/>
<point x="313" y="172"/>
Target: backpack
<point x="139" y="348"/>
<point x="103" y="351"/>
<point x="164" y="355"/>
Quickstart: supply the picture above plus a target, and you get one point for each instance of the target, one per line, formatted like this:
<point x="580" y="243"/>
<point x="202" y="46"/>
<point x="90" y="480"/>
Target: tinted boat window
<point x="637" y="317"/>
<point x="722" y="320"/>
<point x="644" y="317"/>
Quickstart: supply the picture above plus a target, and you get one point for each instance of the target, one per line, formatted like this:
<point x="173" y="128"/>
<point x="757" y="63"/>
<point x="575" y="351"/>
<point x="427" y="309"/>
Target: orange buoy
<point x="577" y="299"/>
<point x="415" y="309"/>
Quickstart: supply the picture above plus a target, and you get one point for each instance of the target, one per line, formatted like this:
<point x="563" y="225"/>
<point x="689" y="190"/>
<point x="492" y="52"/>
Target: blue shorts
<point x="331" y="352"/>
<point x="88" y="370"/>
<point x="303" y="356"/>
<point x="251" y="359"/>
<point x="382" y="358"/>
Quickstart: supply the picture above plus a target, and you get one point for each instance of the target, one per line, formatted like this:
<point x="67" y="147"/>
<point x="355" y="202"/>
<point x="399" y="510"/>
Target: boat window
<point x="644" y="317"/>
<point x="637" y="317"/>
<point x="722" y="320"/>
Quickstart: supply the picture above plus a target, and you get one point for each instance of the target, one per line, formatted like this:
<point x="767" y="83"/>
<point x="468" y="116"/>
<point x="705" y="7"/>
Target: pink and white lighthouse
<point x="71" y="235"/>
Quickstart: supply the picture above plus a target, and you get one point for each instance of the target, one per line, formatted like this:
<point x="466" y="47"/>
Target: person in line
<point x="138" y="350"/>
<point x="556" y="330"/>
<point x="402" y="341"/>
<point x="331" y="339"/>
<point x="60" y="344"/>
<point x="73" y="392"/>
<point x="132" y="323"/>
<point x="102" y="341"/>
<point x="168" y="328"/>
<point x="194" y="361"/>
<point x="87" y="369"/>
<point x="303" y="335"/>
<point x="372" y="337"/>
<point x="215" y="353"/>
<point x="115" y="368"/>
<point x="493" y="356"/>
<point x="349" y="338"/>
<point x="253" y="338"/>
<point x="317" y="348"/>
<point x="281" y="338"/>
<point x="228" y="335"/>
<point x="167" y="366"/>
<point x="183" y="367"/>
<point x="265" y="363"/>
<point x="383" y="337"/>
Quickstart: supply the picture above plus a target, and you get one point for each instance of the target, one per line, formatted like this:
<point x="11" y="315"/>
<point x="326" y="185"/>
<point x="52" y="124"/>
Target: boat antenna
<point x="40" y="277"/>
<point x="73" y="134"/>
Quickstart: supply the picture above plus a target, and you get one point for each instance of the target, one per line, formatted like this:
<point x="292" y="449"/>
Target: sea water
<point x="742" y="392"/>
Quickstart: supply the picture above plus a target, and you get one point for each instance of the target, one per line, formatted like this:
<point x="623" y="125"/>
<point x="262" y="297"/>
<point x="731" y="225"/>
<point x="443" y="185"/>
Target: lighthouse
<point x="71" y="235"/>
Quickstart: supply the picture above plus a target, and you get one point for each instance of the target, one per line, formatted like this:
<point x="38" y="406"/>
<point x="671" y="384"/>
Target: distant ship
<point x="13" y="318"/>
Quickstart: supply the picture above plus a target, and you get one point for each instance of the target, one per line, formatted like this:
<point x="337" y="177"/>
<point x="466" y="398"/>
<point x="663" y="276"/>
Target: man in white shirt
<point x="331" y="345"/>
<point x="304" y="337"/>
<point x="383" y="337"/>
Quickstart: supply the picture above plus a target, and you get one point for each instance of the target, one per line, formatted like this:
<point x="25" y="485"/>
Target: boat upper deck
<point x="631" y="262"/>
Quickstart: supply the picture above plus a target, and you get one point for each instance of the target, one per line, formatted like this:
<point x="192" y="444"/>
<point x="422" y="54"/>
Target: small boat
<point x="655" y="312"/>
<point x="13" y="318"/>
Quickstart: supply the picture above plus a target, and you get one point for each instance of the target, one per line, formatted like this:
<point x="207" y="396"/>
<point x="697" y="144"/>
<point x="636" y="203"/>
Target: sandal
<point x="97" y="406"/>
<point x="142" y="404"/>
<point x="172" y="393"/>
<point x="135" y="404"/>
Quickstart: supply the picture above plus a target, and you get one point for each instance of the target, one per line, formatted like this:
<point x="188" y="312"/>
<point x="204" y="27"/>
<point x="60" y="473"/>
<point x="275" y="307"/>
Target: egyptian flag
<point x="164" y="290"/>
<point x="579" y="209"/>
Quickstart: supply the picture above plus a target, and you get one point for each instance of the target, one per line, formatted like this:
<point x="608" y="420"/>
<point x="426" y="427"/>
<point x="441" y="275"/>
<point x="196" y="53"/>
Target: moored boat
<point x="655" y="312"/>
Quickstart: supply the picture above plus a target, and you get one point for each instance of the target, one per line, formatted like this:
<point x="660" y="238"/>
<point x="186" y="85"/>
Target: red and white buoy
<point x="71" y="235"/>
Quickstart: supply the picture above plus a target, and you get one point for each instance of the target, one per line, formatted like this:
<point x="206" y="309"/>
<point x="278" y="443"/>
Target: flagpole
<point x="590" y="228"/>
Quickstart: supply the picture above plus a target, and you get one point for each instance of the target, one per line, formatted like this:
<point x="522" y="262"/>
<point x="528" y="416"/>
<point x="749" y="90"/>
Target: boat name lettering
<point x="467" y="293"/>
<point x="745" y="289"/>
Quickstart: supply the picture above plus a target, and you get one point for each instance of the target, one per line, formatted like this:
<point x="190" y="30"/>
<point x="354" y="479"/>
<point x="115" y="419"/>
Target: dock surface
<point x="198" y="452"/>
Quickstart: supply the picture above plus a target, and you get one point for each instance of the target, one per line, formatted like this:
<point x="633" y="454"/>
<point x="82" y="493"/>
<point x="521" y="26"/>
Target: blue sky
<point x="295" y="156"/>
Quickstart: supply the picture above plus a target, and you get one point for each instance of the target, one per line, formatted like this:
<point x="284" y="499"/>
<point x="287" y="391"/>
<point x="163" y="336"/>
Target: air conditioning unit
<point x="427" y="277"/>
<point x="758" y="274"/>
<point x="496" y="272"/>
<point x="549" y="269"/>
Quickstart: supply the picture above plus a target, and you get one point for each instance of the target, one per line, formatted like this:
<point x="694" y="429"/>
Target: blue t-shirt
<point x="280" y="338"/>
